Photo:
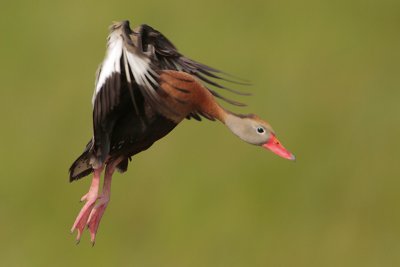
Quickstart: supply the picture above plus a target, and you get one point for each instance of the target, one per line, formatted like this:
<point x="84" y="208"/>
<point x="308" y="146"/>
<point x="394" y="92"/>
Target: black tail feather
<point x="81" y="166"/>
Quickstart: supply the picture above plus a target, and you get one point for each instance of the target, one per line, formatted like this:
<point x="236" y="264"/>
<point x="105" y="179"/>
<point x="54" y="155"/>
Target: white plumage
<point x="139" y="66"/>
<point x="110" y="63"/>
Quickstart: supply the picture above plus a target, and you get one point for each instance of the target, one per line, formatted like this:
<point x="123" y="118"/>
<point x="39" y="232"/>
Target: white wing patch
<point x="138" y="65"/>
<point x="140" y="69"/>
<point x="110" y="63"/>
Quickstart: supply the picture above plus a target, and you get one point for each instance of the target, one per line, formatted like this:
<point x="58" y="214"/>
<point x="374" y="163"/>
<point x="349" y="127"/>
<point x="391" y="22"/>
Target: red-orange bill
<point x="275" y="146"/>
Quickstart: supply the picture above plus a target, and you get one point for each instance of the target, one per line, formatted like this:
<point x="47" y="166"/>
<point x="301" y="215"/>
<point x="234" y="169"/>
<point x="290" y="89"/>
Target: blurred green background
<point x="325" y="74"/>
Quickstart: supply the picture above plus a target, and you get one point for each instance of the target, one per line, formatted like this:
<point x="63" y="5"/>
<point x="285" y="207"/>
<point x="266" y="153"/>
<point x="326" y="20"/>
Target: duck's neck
<point x="234" y="122"/>
<point x="214" y="111"/>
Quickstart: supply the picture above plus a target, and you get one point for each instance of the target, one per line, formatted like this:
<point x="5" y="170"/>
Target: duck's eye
<point x="260" y="130"/>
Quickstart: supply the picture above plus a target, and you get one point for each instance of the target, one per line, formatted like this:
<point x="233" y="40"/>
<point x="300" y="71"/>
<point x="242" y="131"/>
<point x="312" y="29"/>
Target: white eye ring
<point x="260" y="130"/>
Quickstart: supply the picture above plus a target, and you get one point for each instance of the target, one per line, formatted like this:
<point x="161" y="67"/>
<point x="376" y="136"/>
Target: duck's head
<point x="255" y="131"/>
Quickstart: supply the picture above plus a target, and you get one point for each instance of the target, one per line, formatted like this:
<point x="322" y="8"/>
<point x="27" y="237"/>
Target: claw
<point x="82" y="218"/>
<point x="95" y="216"/>
<point x="90" y="215"/>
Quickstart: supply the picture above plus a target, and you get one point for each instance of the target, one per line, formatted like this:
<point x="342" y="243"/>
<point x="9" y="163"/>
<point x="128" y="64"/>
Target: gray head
<point x="253" y="130"/>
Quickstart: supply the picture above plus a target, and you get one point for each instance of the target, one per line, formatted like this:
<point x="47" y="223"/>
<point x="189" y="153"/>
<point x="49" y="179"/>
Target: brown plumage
<point x="186" y="95"/>
<point x="144" y="88"/>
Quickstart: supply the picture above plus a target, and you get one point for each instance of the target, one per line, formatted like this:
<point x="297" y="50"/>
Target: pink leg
<point x="92" y="212"/>
<point x="101" y="205"/>
<point x="90" y="197"/>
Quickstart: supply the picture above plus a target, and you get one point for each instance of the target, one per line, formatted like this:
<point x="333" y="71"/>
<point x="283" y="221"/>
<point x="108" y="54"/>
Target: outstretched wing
<point x="165" y="55"/>
<point x="124" y="70"/>
<point x="130" y="69"/>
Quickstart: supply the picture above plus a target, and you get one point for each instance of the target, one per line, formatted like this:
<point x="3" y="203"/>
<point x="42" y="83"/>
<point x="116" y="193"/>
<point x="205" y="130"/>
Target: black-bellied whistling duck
<point x="144" y="88"/>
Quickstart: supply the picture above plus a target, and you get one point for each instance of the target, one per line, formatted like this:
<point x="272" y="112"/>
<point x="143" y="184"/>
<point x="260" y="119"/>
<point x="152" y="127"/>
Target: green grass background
<point x="325" y="74"/>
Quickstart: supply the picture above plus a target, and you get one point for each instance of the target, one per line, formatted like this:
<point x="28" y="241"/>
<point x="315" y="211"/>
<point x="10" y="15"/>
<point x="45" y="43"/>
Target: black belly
<point x="136" y="130"/>
<point x="130" y="137"/>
